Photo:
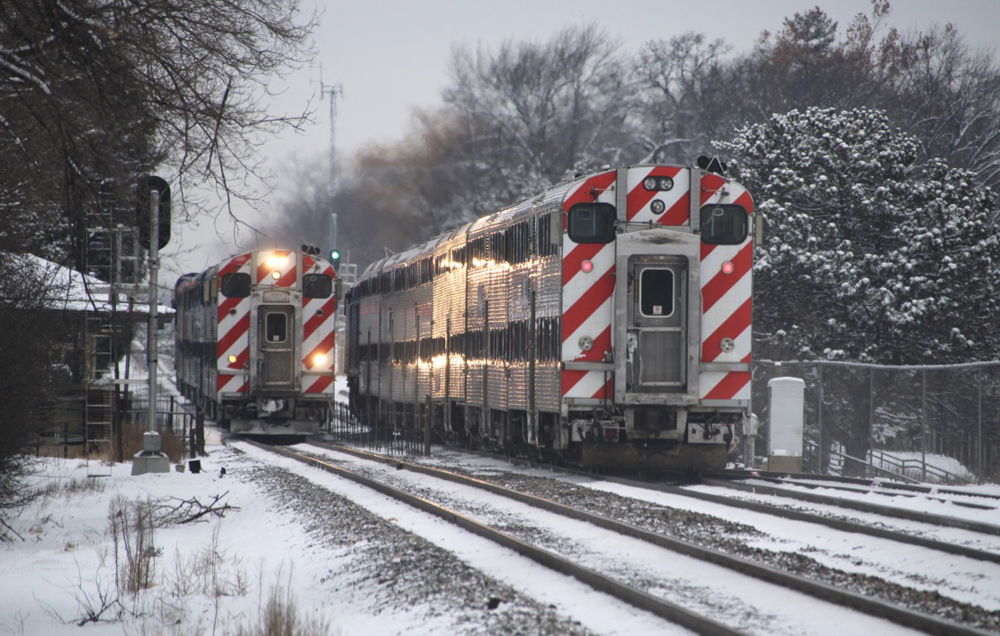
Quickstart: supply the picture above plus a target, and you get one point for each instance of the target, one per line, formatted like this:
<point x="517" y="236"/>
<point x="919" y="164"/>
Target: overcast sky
<point x="391" y="56"/>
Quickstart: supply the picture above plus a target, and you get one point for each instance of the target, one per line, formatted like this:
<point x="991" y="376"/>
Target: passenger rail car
<point x="606" y="320"/>
<point x="255" y="341"/>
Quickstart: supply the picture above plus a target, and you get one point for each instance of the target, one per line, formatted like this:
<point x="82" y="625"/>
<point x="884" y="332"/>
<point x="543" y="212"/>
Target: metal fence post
<point x="822" y="470"/>
<point x="979" y="425"/>
<point x="923" y="424"/>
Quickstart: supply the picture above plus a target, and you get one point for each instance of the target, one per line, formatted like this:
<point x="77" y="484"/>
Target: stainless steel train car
<point x="606" y="321"/>
<point x="254" y="341"/>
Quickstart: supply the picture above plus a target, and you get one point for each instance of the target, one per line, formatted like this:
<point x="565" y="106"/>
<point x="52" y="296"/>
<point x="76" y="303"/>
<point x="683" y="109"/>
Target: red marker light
<point x="727" y="267"/>
<point x="586" y="267"/>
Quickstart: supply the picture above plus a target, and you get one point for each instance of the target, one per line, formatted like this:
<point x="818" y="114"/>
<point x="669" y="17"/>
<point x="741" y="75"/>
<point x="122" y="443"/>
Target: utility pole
<point x="150" y="459"/>
<point x="332" y="92"/>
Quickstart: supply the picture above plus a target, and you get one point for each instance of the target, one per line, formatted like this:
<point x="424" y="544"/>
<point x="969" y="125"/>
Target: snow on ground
<point x="64" y="566"/>
<point x="960" y="578"/>
<point x="58" y="574"/>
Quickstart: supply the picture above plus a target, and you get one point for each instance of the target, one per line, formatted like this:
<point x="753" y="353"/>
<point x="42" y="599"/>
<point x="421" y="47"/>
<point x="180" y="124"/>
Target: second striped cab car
<point x="606" y="321"/>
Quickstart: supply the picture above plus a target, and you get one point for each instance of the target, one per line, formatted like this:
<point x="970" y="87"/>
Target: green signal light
<point x="335" y="255"/>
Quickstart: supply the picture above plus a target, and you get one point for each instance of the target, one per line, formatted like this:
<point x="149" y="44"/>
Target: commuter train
<point x="605" y="322"/>
<point x="254" y="341"/>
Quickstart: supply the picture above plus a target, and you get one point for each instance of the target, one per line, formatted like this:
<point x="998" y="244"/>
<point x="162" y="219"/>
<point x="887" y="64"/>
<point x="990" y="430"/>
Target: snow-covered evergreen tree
<point x="866" y="257"/>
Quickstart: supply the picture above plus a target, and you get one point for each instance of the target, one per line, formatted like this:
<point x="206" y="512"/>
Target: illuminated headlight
<point x="232" y="359"/>
<point x="727" y="345"/>
<point x="319" y="359"/>
<point x="275" y="275"/>
<point x="657" y="206"/>
<point x="586" y="343"/>
<point x="274" y="261"/>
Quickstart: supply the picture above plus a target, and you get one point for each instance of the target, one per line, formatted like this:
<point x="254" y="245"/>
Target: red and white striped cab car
<point x="254" y="341"/>
<point x="606" y="320"/>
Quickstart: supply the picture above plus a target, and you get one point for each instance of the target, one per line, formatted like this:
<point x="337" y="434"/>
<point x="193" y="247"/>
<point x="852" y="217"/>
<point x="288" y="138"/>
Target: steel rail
<point x="625" y="593"/>
<point x="808" y="517"/>
<point x="839" y="481"/>
<point x="861" y="506"/>
<point x="851" y="600"/>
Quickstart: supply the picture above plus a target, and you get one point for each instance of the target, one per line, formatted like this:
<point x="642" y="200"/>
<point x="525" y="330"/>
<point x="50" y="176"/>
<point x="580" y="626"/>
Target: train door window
<point x="235" y="285"/>
<point x="592" y="223"/>
<point x="276" y="327"/>
<point x="317" y="286"/>
<point x="656" y="292"/>
<point x="724" y="224"/>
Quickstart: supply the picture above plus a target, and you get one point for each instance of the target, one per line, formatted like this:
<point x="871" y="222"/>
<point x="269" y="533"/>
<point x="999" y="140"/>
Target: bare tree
<point x="539" y="111"/>
<point x="107" y="89"/>
<point x="682" y="105"/>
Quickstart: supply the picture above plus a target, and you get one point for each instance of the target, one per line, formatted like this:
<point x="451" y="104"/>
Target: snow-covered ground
<point x="216" y="576"/>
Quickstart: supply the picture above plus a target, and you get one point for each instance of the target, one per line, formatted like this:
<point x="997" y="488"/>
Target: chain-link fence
<point x="939" y="423"/>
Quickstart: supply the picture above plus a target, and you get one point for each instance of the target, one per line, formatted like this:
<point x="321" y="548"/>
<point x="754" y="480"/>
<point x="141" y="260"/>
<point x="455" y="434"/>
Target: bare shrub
<point x="131" y="527"/>
<point x="211" y="571"/>
<point x="280" y="617"/>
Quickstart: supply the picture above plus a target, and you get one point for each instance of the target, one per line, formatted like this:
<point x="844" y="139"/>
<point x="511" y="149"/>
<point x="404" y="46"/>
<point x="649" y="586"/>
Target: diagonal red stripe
<point x="316" y="320"/>
<point x="586" y="192"/>
<point x="325" y="347"/>
<point x="320" y="384"/>
<point x="729" y="386"/>
<point x="599" y="292"/>
<point x="580" y="253"/>
<point x="678" y="213"/>
<point x="234" y="334"/>
<point x="607" y="391"/>
<point x="640" y="197"/>
<point x="602" y="343"/>
<point x="736" y="324"/>
<point x="234" y="264"/>
<point x="710" y="184"/>
<point x="226" y="305"/>
<point x="287" y="279"/>
<point x="716" y="288"/>
<point x="570" y="379"/>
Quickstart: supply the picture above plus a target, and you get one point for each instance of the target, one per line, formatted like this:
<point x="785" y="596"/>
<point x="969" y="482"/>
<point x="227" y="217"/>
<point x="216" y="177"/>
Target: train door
<point x="655" y="343"/>
<point x="276" y="335"/>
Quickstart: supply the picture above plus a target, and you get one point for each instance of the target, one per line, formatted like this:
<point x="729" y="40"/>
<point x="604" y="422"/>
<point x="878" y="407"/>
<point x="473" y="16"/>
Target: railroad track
<point x="742" y="576"/>
<point x="964" y="498"/>
<point x="786" y="488"/>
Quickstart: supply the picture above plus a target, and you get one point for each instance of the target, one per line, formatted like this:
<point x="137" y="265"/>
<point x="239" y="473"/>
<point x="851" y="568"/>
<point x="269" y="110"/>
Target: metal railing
<point x="397" y="434"/>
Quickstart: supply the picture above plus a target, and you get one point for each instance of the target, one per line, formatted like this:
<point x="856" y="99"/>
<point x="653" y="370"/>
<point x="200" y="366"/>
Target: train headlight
<point x="727" y="345"/>
<point x="319" y="359"/>
<point x="661" y="184"/>
<point x="587" y="266"/>
<point x="586" y="343"/>
<point x="274" y="261"/>
<point x="275" y="274"/>
<point x="657" y="206"/>
<point x="232" y="359"/>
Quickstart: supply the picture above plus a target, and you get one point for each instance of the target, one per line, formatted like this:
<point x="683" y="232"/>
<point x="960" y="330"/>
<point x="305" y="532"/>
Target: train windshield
<point x="317" y="286"/>
<point x="235" y="285"/>
<point x="723" y="224"/>
<point x="592" y="223"/>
